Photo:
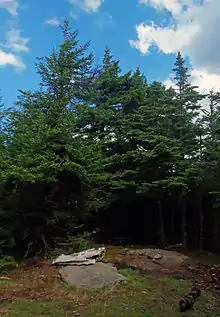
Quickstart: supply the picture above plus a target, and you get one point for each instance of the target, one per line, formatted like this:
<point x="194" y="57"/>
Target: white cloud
<point x="15" y="42"/>
<point x="88" y="5"/>
<point x="10" y="5"/>
<point x="53" y="22"/>
<point x="167" y="39"/>
<point x="194" y="31"/>
<point x="173" y="6"/>
<point x="205" y="80"/>
<point x="169" y="83"/>
<point x="199" y="77"/>
<point x="12" y="60"/>
<point x="92" y="5"/>
<point x="170" y="39"/>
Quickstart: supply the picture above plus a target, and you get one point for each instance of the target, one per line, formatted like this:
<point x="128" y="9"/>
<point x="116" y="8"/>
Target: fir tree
<point x="47" y="162"/>
<point x="67" y="72"/>
<point x="187" y="94"/>
<point x="188" y="132"/>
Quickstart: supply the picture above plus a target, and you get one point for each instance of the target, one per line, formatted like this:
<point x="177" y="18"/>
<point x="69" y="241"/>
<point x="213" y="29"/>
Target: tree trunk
<point x="173" y="237"/>
<point x="162" y="230"/>
<point x="201" y="232"/>
<point x="45" y="245"/>
<point x="216" y="232"/>
<point x="201" y="220"/>
<point x="183" y="221"/>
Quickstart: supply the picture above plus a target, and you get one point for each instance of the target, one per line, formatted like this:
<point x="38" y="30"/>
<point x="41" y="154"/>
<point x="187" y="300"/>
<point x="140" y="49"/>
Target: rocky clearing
<point x="151" y="289"/>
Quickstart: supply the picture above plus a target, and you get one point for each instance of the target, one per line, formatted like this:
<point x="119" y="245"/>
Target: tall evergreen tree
<point x="68" y="71"/>
<point x="186" y="93"/>
<point x="210" y="156"/>
<point x="188" y="133"/>
<point x="94" y="139"/>
<point x="49" y="164"/>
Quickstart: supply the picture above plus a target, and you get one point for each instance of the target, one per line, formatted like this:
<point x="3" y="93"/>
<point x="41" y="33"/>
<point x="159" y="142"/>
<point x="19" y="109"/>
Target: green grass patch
<point x="24" y="308"/>
<point x="138" y="297"/>
<point x="148" y="297"/>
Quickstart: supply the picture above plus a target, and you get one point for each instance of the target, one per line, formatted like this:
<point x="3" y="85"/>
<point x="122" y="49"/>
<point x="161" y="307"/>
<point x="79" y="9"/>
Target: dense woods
<point x="93" y="149"/>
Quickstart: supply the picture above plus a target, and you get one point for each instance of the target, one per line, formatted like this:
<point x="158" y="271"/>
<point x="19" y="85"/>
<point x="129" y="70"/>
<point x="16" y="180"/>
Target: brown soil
<point x="207" y="276"/>
<point x="41" y="281"/>
<point x="35" y="282"/>
<point x="146" y="266"/>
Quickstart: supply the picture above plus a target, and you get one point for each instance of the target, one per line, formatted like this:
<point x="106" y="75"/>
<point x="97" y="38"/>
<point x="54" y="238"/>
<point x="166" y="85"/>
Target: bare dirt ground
<point x="39" y="281"/>
<point x="39" y="285"/>
<point x="173" y="264"/>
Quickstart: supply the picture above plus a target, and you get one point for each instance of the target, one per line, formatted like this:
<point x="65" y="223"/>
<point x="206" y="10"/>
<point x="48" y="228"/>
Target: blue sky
<point x="145" y="33"/>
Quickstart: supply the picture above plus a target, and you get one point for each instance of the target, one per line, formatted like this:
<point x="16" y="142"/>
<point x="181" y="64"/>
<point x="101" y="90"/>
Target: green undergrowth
<point x="7" y="264"/>
<point x="138" y="297"/>
<point x="72" y="244"/>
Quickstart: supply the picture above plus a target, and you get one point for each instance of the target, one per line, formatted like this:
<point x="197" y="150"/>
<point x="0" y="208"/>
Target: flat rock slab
<point x="92" y="276"/>
<point x="167" y="259"/>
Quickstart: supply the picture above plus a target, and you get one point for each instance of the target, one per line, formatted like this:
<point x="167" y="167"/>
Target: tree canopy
<point x="95" y="147"/>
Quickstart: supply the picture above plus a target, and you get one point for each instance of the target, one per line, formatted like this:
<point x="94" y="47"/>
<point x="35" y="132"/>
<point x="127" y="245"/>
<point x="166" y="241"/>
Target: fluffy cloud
<point x="193" y="30"/>
<point x="92" y="5"/>
<point x="173" y="6"/>
<point x="205" y="80"/>
<point x="15" y="42"/>
<point x="10" y="5"/>
<point x="167" y="39"/>
<point x="53" y="22"/>
<point x="88" y="5"/>
<point x="12" y="60"/>
<point x="199" y="77"/>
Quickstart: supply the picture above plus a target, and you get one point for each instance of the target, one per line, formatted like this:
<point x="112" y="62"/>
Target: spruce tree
<point x="68" y="71"/>
<point x="187" y="131"/>
<point x="211" y="160"/>
<point x="186" y="93"/>
<point x="49" y="163"/>
<point x="144" y="154"/>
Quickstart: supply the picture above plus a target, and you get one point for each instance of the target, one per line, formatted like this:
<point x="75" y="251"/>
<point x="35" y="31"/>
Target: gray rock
<point x="93" y="276"/>
<point x="166" y="258"/>
<point x="153" y="254"/>
<point x="150" y="253"/>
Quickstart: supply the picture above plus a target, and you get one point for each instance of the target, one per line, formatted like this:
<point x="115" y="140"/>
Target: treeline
<point x="95" y="148"/>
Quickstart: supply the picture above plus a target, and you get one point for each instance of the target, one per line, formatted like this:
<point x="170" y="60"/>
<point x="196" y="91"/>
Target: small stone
<point x="158" y="256"/>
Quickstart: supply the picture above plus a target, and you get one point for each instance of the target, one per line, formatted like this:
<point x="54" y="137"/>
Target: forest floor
<point x="37" y="290"/>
